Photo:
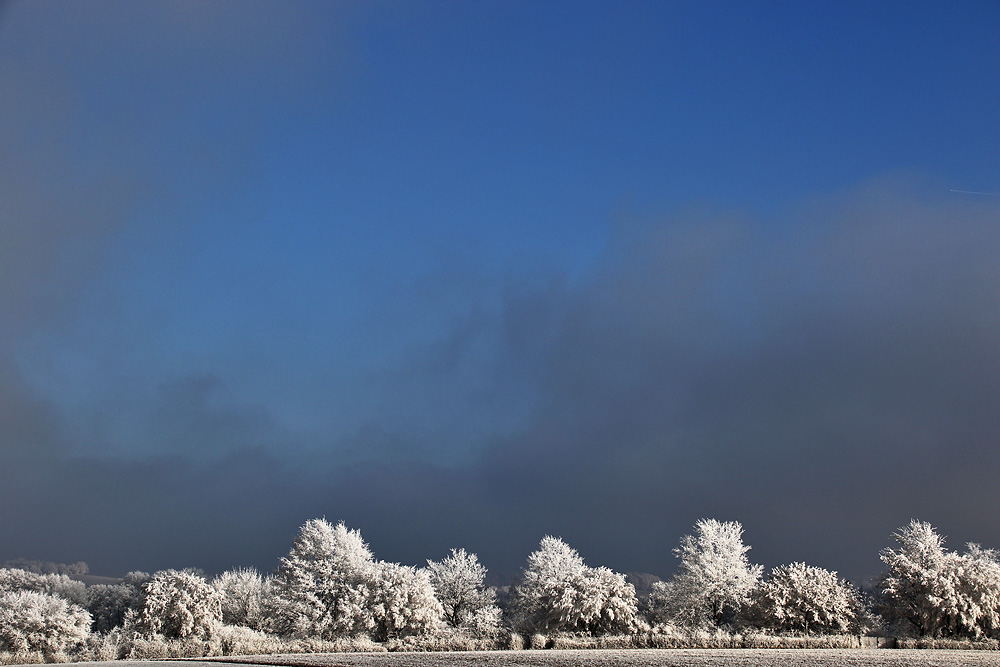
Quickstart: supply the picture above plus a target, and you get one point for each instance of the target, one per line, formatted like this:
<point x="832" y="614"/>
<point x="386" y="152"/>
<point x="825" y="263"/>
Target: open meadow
<point x="606" y="658"/>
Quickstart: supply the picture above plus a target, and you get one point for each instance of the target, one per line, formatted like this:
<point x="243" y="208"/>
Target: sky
<point x="467" y="273"/>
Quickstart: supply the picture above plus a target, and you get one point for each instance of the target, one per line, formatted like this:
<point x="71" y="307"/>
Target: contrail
<point x="973" y="192"/>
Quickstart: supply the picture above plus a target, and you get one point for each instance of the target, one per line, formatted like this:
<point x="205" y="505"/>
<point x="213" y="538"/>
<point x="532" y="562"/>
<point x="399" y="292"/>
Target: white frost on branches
<point x="938" y="592"/>
<point x="714" y="580"/>
<point x="33" y="621"/>
<point x="403" y="601"/>
<point x="323" y="583"/>
<point x="800" y="598"/>
<point x="330" y="586"/>
<point x="246" y="597"/>
<point x="178" y="605"/>
<point x="560" y="593"/>
<point x="60" y="585"/>
<point x="467" y="602"/>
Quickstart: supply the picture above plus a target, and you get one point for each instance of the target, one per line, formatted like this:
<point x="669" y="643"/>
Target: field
<point x="606" y="658"/>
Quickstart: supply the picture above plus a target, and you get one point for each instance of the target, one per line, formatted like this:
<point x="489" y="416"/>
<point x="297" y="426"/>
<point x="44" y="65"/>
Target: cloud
<point x="830" y="373"/>
<point x="191" y="415"/>
<point x="821" y="376"/>
<point x="112" y="111"/>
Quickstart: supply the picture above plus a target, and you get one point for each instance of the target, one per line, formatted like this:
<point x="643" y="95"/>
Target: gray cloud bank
<point x="822" y="376"/>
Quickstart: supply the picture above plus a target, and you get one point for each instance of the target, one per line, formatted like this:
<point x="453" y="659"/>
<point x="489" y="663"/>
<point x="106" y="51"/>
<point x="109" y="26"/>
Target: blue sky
<point x="466" y="273"/>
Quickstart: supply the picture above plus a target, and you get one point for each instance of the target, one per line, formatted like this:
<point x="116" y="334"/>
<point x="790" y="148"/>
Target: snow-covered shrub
<point x="511" y="641"/>
<point x="770" y="641"/>
<point x="936" y="592"/>
<point x="558" y="592"/>
<point x="241" y="640"/>
<point x="486" y="623"/>
<point x="247" y="597"/>
<point x="178" y="605"/>
<point x="800" y="598"/>
<point x="467" y="603"/>
<point x="714" y="580"/>
<point x="39" y="622"/>
<point x="445" y="638"/>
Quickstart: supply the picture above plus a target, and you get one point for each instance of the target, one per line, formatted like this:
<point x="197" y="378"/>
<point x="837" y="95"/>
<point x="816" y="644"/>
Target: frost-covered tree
<point x="613" y="608"/>
<point x="402" y="602"/>
<point x="558" y="592"/>
<point x="179" y="605"/>
<point x="550" y="593"/>
<point x="109" y="604"/>
<point x="800" y="598"/>
<point x="33" y="621"/>
<point x="714" y="580"/>
<point x="329" y="586"/>
<point x="979" y="593"/>
<point x="246" y="596"/>
<point x="466" y="601"/>
<point x="324" y="583"/>
<point x="936" y="592"/>
<point x="919" y="585"/>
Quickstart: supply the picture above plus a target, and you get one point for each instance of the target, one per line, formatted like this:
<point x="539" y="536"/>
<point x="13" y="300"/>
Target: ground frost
<point x="637" y="658"/>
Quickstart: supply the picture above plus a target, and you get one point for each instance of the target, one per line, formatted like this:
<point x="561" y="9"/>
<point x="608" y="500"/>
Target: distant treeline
<point x="46" y="567"/>
<point x="330" y="593"/>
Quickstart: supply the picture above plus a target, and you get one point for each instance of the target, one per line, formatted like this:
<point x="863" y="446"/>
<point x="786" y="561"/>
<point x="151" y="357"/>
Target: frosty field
<point x="605" y="658"/>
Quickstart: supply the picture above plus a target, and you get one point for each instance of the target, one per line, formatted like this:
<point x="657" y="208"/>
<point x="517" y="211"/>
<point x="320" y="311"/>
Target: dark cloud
<point x="822" y="378"/>
<point x="192" y="415"/>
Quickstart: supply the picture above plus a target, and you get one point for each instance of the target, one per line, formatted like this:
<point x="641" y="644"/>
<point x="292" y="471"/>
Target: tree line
<point x="331" y="593"/>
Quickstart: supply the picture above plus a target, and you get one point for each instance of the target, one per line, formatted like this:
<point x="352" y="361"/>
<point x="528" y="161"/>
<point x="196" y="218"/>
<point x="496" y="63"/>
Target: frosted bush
<point x="511" y="641"/>
<point x="801" y="598"/>
<point x="179" y="605"/>
<point x="32" y="621"/>
<point x="240" y="640"/>
<point x="14" y="579"/>
<point x="485" y="623"/>
<point x="402" y="601"/>
<point x="558" y="592"/>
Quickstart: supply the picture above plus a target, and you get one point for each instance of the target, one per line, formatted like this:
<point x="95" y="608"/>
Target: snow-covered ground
<point x="601" y="658"/>
<point x="637" y="658"/>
